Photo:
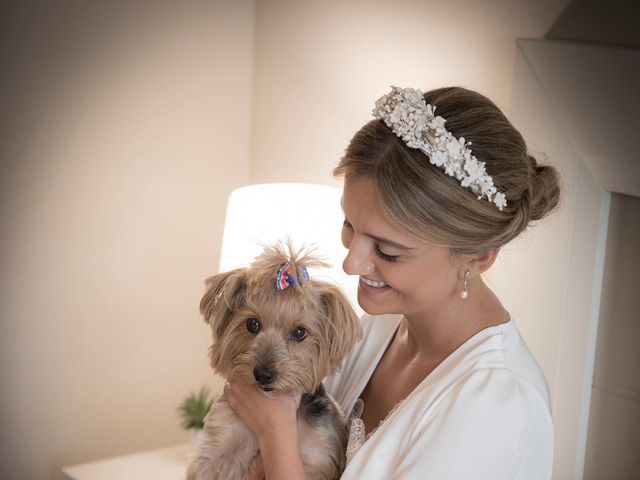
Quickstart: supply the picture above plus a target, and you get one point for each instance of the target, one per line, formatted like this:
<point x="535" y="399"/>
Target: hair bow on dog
<point x="286" y="279"/>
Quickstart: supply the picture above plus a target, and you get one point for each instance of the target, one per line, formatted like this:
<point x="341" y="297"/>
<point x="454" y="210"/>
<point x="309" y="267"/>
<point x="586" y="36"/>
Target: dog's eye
<point x="253" y="325"/>
<point x="299" y="333"/>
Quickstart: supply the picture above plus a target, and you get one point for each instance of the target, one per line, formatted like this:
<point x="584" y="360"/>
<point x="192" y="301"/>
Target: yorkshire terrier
<point x="275" y="327"/>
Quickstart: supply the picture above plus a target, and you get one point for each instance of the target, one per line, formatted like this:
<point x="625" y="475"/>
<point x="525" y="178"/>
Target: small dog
<point x="274" y="327"/>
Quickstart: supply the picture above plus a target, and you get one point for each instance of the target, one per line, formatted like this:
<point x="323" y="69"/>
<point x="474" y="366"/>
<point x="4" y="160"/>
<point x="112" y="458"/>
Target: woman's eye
<point x="253" y="325"/>
<point x="384" y="256"/>
<point x="346" y="224"/>
<point x="299" y="334"/>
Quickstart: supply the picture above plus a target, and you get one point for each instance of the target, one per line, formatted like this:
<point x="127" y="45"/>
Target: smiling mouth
<point x="373" y="283"/>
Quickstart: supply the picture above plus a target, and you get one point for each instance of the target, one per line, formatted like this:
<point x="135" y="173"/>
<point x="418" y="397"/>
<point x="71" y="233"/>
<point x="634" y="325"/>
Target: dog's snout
<point x="264" y="376"/>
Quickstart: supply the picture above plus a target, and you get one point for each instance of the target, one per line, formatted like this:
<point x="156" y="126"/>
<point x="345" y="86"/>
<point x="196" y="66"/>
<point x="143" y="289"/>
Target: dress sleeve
<point x="495" y="425"/>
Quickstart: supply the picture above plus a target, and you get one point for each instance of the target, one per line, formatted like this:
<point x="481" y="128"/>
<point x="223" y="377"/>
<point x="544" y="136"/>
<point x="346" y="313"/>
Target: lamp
<point x="308" y="214"/>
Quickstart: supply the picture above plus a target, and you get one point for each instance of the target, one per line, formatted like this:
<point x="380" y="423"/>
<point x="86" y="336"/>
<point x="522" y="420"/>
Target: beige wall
<point x="125" y="126"/>
<point x="557" y="87"/>
<point x="533" y="275"/>
<point x="614" y="423"/>
<point x="320" y="66"/>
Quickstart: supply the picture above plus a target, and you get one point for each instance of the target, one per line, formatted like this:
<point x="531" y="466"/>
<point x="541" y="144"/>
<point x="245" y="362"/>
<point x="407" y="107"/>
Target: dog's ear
<point x="343" y="325"/>
<point x="224" y="293"/>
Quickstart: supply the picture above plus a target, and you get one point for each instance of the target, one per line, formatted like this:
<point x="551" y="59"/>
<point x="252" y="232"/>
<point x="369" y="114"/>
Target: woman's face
<point x="398" y="274"/>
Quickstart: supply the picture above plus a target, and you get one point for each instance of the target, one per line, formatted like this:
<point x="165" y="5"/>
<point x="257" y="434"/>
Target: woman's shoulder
<point x="485" y="413"/>
<point x="498" y="354"/>
<point x="499" y="390"/>
<point x="519" y="360"/>
<point x="492" y="417"/>
<point x="489" y="404"/>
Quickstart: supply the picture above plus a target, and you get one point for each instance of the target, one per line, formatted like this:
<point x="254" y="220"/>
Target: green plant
<point x="194" y="408"/>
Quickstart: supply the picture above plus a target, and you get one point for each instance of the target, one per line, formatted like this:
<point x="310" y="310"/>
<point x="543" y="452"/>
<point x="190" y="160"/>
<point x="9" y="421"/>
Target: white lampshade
<point x="308" y="214"/>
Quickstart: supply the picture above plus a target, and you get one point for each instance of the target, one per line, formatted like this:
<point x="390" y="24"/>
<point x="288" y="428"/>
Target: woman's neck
<point x="435" y="335"/>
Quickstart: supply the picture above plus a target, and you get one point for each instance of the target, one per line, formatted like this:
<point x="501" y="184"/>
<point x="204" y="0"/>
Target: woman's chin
<point x="371" y="306"/>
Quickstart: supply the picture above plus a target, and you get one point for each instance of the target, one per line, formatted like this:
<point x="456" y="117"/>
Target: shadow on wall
<point x="610" y="22"/>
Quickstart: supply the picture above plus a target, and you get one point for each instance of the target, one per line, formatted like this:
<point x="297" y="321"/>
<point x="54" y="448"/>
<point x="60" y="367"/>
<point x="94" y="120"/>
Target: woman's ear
<point x="481" y="262"/>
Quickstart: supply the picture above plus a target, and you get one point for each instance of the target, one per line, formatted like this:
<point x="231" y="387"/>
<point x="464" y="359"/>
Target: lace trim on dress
<point x="356" y="430"/>
<point x="357" y="434"/>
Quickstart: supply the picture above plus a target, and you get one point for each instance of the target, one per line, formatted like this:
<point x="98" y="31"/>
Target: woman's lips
<point x="373" y="283"/>
<point x="373" y="286"/>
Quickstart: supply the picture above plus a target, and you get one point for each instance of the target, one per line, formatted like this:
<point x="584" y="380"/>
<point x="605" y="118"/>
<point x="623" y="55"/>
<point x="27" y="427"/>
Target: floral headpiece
<point x="412" y="119"/>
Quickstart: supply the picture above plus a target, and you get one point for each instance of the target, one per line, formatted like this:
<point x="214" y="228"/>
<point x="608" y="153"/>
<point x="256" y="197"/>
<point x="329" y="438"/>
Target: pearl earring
<point x="465" y="293"/>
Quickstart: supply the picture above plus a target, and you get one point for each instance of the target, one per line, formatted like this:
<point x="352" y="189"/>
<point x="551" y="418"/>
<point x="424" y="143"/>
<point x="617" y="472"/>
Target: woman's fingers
<point x="259" y="412"/>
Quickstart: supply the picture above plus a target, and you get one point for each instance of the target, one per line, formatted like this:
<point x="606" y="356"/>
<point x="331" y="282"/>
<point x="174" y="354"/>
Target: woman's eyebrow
<point x="378" y="239"/>
<point x="391" y="243"/>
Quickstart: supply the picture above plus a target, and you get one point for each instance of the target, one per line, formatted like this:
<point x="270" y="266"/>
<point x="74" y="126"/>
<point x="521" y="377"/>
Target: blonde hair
<point x="433" y="207"/>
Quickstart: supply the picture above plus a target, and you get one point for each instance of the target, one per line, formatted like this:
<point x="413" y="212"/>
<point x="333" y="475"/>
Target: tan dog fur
<point x="228" y="448"/>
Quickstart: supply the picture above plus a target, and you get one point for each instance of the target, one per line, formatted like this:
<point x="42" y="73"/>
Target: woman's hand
<point x="265" y="416"/>
<point x="274" y="421"/>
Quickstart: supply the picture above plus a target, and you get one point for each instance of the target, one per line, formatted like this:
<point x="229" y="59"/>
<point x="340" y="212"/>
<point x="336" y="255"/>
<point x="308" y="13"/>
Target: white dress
<point x="483" y="413"/>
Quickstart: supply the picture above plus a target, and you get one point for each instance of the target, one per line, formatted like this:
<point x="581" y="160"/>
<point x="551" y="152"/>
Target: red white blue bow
<point x="286" y="277"/>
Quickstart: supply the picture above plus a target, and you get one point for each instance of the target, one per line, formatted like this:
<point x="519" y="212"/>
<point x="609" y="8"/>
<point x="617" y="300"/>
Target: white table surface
<point x="163" y="464"/>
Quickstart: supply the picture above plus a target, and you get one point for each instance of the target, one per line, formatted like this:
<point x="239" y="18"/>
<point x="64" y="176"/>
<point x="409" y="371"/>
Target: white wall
<point x="321" y="65"/>
<point x="532" y="272"/>
<point x="562" y="93"/>
<point x="125" y="127"/>
<point x="614" y="424"/>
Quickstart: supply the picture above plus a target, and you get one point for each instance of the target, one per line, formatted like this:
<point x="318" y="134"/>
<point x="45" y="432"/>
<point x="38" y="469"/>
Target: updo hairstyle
<point x="433" y="207"/>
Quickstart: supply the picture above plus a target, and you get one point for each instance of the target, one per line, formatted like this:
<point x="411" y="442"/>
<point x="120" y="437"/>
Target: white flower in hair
<point x="412" y="119"/>
<point x="438" y="158"/>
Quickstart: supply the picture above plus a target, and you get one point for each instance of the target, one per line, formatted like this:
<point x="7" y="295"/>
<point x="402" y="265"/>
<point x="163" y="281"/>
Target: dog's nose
<point x="264" y="376"/>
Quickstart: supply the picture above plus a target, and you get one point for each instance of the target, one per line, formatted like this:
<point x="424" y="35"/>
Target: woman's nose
<point x="357" y="261"/>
